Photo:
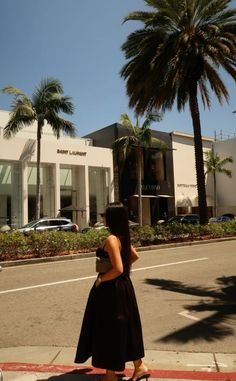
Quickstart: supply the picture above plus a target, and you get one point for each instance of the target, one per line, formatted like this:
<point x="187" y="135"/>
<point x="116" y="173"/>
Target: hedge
<point x="15" y="245"/>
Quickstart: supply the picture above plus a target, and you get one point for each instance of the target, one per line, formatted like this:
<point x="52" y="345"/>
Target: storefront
<point x="157" y="175"/>
<point x="76" y="177"/>
<point x="185" y="180"/>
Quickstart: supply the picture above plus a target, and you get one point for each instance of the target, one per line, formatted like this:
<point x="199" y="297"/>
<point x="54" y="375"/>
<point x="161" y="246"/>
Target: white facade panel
<point x="185" y="181"/>
<point x="225" y="186"/>
<point x="65" y="167"/>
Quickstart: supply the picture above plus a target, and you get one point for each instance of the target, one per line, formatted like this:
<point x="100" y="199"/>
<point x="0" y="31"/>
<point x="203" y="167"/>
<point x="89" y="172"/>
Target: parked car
<point x="184" y="219"/>
<point x="231" y="216"/>
<point x="48" y="224"/>
<point x="100" y="225"/>
<point x="5" y="229"/>
<point x="223" y="218"/>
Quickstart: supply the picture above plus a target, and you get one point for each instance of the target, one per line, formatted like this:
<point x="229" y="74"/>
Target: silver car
<point x="48" y="224"/>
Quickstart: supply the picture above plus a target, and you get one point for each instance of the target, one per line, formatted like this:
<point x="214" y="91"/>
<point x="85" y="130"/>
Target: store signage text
<point x="187" y="185"/>
<point x="70" y="152"/>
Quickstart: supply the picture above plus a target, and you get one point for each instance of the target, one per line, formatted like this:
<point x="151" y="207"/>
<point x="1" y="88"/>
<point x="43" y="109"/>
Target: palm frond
<point x="22" y="114"/>
<point x="198" y="39"/>
<point x="60" y="125"/>
<point x="12" y="90"/>
<point x="58" y="103"/>
<point x="46" y="88"/>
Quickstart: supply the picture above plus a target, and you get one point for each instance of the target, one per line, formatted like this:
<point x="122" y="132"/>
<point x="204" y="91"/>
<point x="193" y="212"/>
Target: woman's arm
<point x="134" y="254"/>
<point x="112" y="247"/>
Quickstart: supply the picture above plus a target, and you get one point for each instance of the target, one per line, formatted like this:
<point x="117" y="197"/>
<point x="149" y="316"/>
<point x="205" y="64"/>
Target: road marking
<point x="169" y="264"/>
<point x="47" y="284"/>
<point x="186" y="314"/>
<point x="94" y="276"/>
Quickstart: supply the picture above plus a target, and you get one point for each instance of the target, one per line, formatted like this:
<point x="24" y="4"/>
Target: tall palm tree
<point x="45" y="105"/>
<point x="214" y="164"/>
<point x="175" y="56"/>
<point x="138" y="138"/>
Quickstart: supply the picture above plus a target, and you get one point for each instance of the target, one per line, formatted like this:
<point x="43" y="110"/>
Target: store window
<point x="156" y="165"/>
<point x="71" y="180"/>
<point x="98" y="192"/>
<point x="47" y="191"/>
<point x="10" y="194"/>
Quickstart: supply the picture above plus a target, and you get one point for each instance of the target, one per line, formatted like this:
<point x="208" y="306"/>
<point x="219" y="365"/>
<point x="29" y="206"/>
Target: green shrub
<point x="144" y="235"/>
<point x="51" y="243"/>
<point x="162" y="233"/>
<point x="12" y="245"/>
<point x="92" y="238"/>
<point x="15" y="245"/>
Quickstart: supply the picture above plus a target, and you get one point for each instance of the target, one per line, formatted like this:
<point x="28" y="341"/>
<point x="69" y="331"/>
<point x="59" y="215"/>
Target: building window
<point x="98" y="192"/>
<point x="156" y="165"/>
<point x="10" y="194"/>
<point x="47" y="191"/>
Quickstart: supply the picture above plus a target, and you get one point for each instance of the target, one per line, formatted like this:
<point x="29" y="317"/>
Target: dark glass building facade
<point x="157" y="175"/>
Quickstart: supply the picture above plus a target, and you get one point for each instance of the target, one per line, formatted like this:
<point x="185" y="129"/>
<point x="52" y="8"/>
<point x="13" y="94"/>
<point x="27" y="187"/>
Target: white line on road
<point x="186" y="314"/>
<point x="170" y="264"/>
<point x="94" y="276"/>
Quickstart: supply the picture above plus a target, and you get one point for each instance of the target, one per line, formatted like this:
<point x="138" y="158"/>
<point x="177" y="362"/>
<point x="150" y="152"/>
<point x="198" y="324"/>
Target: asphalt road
<point x="186" y="297"/>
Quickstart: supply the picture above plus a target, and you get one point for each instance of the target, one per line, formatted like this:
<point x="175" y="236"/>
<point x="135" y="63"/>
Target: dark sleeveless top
<point x="101" y="253"/>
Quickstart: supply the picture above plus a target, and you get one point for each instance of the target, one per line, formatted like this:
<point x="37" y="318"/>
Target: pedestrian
<point x="111" y="330"/>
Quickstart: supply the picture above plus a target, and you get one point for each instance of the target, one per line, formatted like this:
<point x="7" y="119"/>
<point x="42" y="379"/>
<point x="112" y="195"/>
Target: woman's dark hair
<point x="116" y="215"/>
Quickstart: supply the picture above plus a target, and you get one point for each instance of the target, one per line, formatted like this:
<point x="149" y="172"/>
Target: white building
<point x="185" y="181"/>
<point x="75" y="176"/>
<point x="225" y="186"/>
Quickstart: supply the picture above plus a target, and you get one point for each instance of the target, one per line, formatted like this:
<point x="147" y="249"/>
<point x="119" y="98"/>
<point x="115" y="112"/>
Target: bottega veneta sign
<point x="70" y="152"/>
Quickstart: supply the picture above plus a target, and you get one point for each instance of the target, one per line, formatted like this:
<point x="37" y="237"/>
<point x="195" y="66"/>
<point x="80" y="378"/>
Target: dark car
<point x="231" y="216"/>
<point x="185" y="219"/>
<point x="48" y="224"/>
<point x="223" y="218"/>
<point x="100" y="225"/>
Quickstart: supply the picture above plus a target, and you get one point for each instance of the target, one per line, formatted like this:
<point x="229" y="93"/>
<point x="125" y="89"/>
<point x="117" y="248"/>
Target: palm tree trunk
<point x="37" y="209"/>
<point x="199" y="163"/>
<point x="215" y="204"/>
<point x="140" y="211"/>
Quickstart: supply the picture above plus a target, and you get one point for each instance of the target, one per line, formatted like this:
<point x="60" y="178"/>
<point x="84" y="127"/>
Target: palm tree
<point x="138" y="138"/>
<point x="174" y="58"/>
<point x="46" y="103"/>
<point x="214" y="164"/>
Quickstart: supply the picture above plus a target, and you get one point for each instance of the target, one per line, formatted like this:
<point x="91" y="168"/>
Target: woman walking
<point x="111" y="330"/>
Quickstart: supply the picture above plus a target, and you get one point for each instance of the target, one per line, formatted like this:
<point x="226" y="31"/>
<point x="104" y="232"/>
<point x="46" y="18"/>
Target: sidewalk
<point x="56" y="364"/>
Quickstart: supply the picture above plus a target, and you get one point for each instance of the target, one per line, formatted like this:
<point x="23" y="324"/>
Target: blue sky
<point x="78" y="42"/>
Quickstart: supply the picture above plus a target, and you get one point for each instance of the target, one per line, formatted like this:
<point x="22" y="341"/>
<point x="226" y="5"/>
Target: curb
<point x="155" y="373"/>
<point x="32" y="261"/>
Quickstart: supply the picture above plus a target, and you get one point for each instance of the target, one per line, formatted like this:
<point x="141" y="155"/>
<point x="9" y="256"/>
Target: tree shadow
<point x="77" y="375"/>
<point x="74" y="375"/>
<point x="221" y="301"/>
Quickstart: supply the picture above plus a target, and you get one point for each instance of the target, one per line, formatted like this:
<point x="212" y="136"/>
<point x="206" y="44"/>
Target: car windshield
<point x="175" y="219"/>
<point x="30" y="224"/>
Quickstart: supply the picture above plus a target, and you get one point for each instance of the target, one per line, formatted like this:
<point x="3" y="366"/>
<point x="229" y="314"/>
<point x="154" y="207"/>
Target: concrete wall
<point x="225" y="186"/>
<point x="185" y="182"/>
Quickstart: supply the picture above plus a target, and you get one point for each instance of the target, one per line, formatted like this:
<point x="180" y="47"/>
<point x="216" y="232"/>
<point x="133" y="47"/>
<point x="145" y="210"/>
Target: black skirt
<point x="111" y="330"/>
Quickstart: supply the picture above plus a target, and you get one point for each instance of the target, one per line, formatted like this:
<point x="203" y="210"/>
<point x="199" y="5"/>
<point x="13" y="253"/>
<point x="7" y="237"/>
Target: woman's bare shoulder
<point x="112" y="240"/>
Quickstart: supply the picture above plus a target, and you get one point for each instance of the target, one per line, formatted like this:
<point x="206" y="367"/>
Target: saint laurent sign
<point x="70" y="152"/>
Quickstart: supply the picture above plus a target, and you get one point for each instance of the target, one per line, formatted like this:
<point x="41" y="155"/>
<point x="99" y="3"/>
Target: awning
<point x="72" y="208"/>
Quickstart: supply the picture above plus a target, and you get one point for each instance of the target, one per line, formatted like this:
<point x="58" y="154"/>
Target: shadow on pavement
<point x="75" y="375"/>
<point x="222" y="302"/>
